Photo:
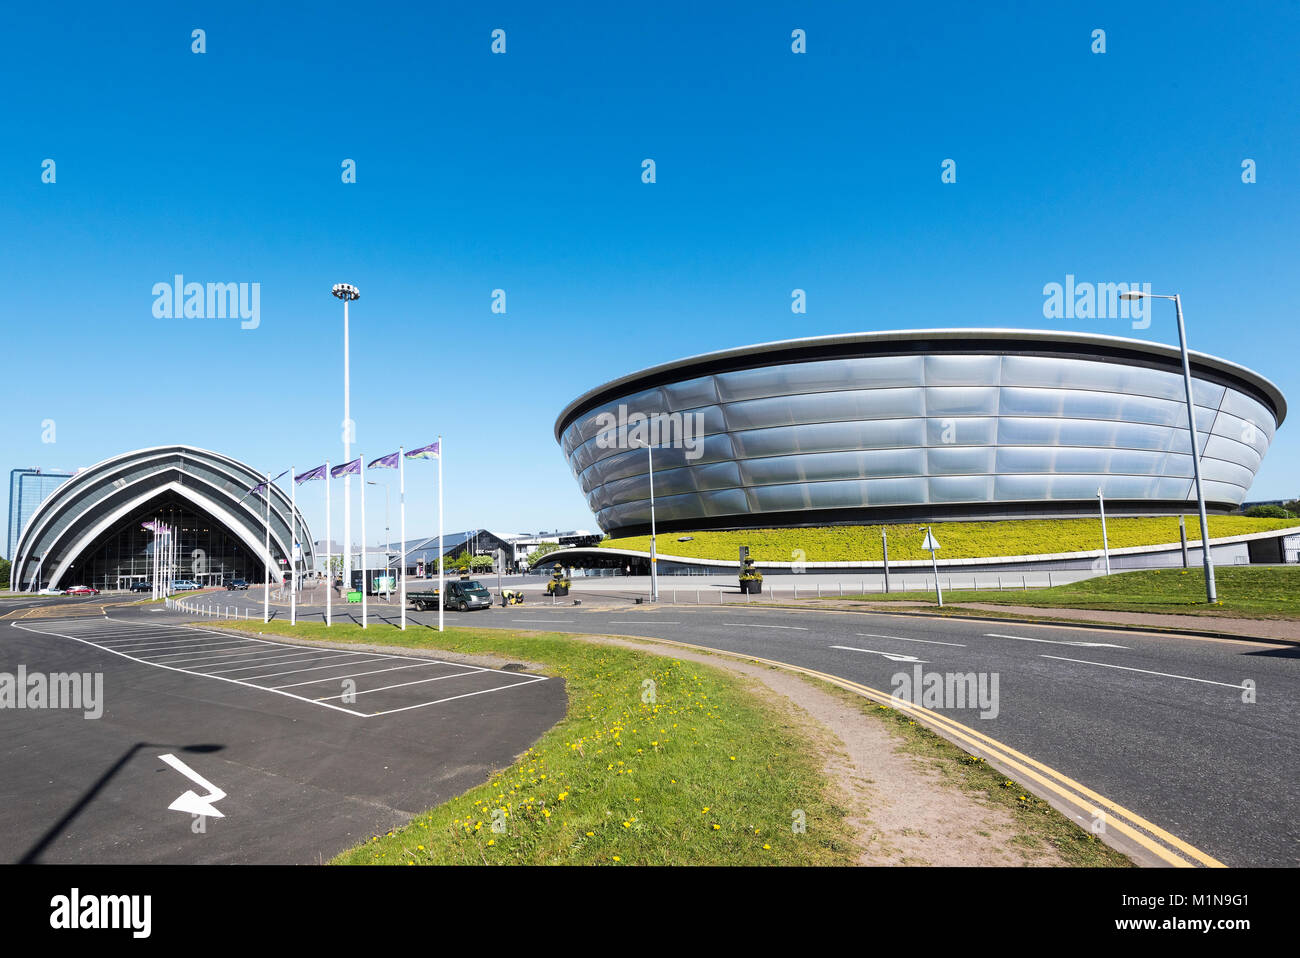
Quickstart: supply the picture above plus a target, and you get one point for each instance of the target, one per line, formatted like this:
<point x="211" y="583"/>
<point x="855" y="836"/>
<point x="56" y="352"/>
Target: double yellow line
<point x="1168" y="848"/>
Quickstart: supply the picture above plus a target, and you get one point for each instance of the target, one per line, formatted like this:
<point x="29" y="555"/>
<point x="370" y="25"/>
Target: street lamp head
<point x="346" y="291"/>
<point x="1132" y="294"/>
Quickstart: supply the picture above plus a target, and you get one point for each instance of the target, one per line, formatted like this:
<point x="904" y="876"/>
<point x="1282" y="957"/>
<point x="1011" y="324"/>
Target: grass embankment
<point x="1244" y="592"/>
<point x="959" y="540"/>
<point x="709" y="773"/>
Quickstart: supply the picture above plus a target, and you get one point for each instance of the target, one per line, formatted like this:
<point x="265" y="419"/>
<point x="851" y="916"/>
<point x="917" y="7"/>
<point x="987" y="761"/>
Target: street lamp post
<point x="1105" y="546"/>
<point x="388" y="542"/>
<point x="654" y="557"/>
<point x="1211" y="592"/>
<point x="348" y="294"/>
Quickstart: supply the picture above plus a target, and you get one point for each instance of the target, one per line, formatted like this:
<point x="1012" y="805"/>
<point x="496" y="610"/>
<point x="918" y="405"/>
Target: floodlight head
<point x="346" y="291"/>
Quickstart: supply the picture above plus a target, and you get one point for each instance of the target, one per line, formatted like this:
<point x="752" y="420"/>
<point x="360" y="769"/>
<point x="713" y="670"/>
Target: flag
<point x="317" y="473"/>
<point x="347" y="469"/>
<point x="261" y="486"/>
<point x="430" y="451"/>
<point x="384" y="462"/>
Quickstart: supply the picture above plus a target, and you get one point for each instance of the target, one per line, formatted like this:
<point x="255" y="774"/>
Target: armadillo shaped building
<point x="933" y="424"/>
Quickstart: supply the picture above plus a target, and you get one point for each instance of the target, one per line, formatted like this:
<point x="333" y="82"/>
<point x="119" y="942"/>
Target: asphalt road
<point x="307" y="772"/>
<point x="1154" y="722"/>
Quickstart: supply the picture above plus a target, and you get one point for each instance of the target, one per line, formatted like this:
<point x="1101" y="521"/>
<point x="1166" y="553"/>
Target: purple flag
<point x="384" y="462"/>
<point x="347" y="469"/>
<point x="317" y="473"/>
<point x="430" y="451"/>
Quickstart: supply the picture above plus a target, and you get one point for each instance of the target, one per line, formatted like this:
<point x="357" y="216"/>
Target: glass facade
<point x="28" y="488"/>
<point x="208" y="553"/>
<point x="959" y="432"/>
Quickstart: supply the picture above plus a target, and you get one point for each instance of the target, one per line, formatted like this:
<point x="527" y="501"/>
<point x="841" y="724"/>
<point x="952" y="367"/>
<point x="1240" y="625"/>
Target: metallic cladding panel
<point x="919" y="430"/>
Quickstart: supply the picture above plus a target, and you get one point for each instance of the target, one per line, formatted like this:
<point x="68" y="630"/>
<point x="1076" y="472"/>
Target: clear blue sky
<point x="523" y="172"/>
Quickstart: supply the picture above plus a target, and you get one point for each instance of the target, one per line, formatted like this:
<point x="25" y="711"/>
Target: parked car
<point x="184" y="585"/>
<point x="141" y="586"/>
<point x="49" y="591"/>
<point x="81" y="590"/>
<point x="232" y="584"/>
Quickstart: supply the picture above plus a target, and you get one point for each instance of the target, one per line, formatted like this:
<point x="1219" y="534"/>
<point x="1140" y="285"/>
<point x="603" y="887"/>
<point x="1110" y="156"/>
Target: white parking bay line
<point x="170" y="668"/>
<point x="1025" y="638"/>
<point x="357" y="675"/>
<point x="899" y="638"/>
<point x="1129" y="668"/>
<point x="755" y="625"/>
<point x="451" y="698"/>
<point x="402" y="685"/>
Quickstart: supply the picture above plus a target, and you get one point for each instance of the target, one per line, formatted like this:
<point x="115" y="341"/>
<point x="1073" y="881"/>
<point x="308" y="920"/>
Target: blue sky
<point x="523" y="172"/>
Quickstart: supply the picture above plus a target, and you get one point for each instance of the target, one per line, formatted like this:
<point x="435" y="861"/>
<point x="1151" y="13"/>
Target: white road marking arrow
<point x="1088" y="645"/>
<point x="191" y="802"/>
<point x="892" y="656"/>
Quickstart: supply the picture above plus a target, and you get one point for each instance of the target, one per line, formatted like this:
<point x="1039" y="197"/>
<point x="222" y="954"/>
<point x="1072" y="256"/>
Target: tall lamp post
<point x="654" y="557"/>
<point x="1211" y="593"/>
<point x="348" y="294"/>
<point x="1105" y="546"/>
<point x="388" y="542"/>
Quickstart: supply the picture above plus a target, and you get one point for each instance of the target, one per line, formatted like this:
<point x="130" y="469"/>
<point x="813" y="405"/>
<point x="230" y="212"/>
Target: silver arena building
<point x="932" y="424"/>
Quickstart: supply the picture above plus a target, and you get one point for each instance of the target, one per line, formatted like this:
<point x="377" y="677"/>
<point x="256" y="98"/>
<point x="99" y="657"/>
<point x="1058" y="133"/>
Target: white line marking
<point x="158" y="665"/>
<point x="892" y="656"/>
<point x="640" y="622"/>
<point x="1128" y="668"/>
<point x="311" y="658"/>
<point x="755" y="625"/>
<point x="355" y="675"/>
<point x="1024" y="638"/>
<point x="174" y="657"/>
<point x="899" y="638"/>
<point x="541" y="620"/>
<point x="452" y="698"/>
<point x="193" y="648"/>
<point x="400" y="685"/>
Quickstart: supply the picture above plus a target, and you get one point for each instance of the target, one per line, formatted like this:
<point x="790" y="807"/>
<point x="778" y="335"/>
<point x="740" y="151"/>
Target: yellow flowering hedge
<point x="958" y="540"/>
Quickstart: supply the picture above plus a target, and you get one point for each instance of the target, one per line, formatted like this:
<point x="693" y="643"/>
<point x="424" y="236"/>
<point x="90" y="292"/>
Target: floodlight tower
<point x="348" y="293"/>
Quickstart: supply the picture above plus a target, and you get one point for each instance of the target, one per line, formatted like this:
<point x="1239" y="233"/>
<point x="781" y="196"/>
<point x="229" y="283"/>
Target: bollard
<point x="697" y="596"/>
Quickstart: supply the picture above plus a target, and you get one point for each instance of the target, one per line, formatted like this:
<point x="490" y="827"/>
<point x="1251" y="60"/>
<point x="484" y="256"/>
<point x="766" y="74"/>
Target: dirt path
<point x="902" y="811"/>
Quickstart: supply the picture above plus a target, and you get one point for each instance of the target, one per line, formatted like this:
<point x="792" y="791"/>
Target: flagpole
<point x="364" y="590"/>
<point x="441" y="584"/>
<point x="266" y="594"/>
<point x="401" y="498"/>
<point x="293" y="547"/>
<point x="329" y="569"/>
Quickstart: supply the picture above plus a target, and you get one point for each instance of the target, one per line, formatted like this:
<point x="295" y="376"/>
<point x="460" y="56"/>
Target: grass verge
<point x="705" y="773"/>
<point x="1244" y="592"/>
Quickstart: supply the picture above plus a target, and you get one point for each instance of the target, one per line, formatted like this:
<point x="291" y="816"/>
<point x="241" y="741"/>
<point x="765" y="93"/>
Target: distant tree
<point x="1268" y="512"/>
<point x="1292" y="507"/>
<point x="4" y="573"/>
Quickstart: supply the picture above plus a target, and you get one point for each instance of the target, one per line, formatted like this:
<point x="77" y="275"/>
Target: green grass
<point x="709" y="774"/>
<point x="958" y="540"/>
<point x="1244" y="591"/>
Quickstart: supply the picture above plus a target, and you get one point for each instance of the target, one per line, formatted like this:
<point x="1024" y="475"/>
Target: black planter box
<point x="560" y="590"/>
<point x="751" y="586"/>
